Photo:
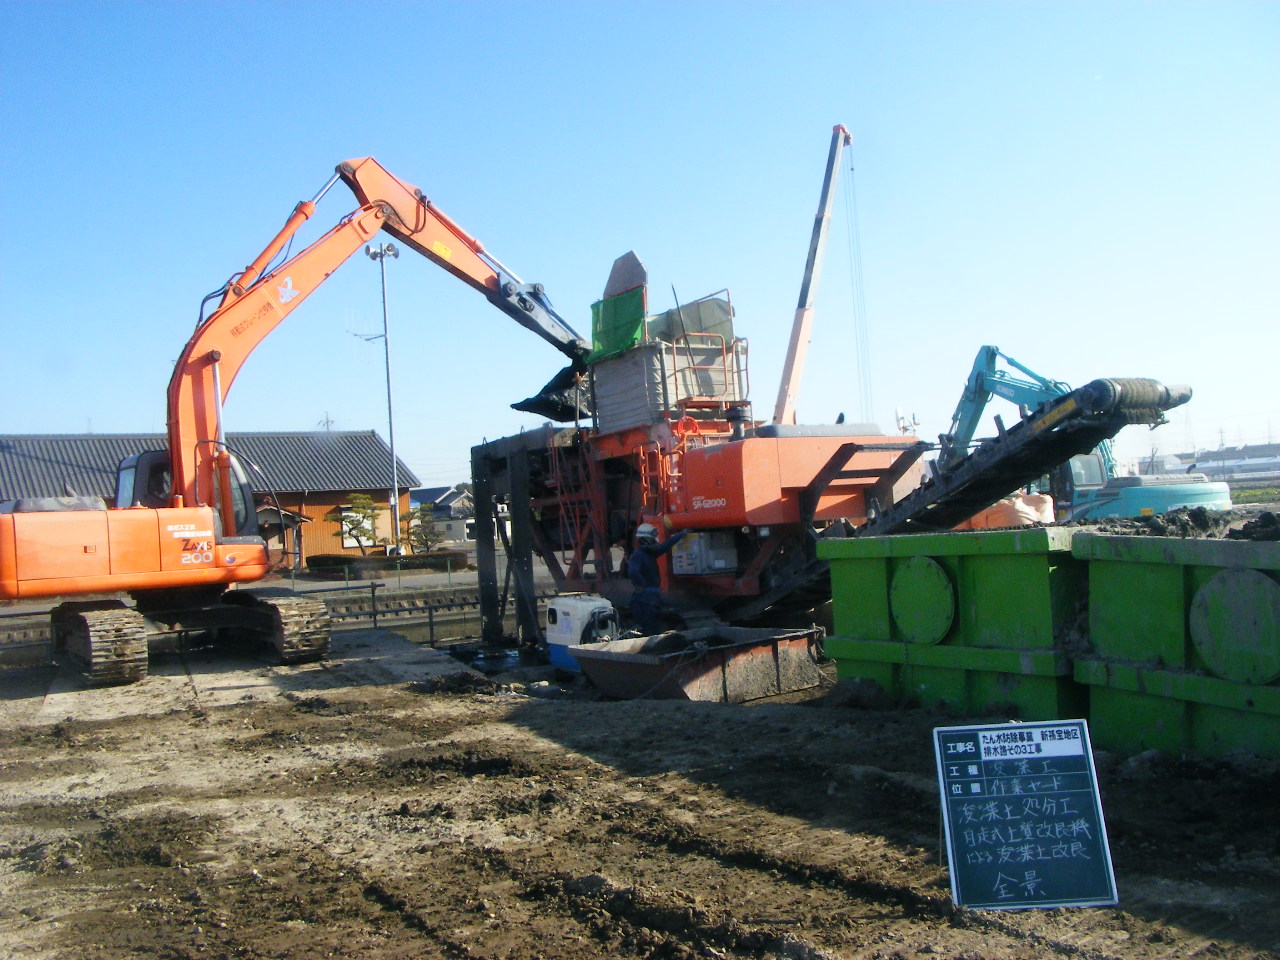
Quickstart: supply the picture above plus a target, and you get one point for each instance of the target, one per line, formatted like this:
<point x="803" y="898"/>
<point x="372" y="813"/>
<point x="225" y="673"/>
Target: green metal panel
<point x="1007" y="601"/>
<point x="1131" y="723"/>
<point x="980" y="691"/>
<point x="984" y="543"/>
<point x="1235" y="625"/>
<point x="931" y="686"/>
<point x="1036" y="684"/>
<point x="860" y="599"/>
<point x="1216" y="731"/>
<point x="616" y="324"/>
<point x="1134" y="708"/>
<point x="1028" y="697"/>
<point x="922" y="600"/>
<point x="1259" y="555"/>
<point x="1261" y="701"/>
<point x="1136" y="611"/>
<point x="1048" y="663"/>
<point x="965" y="619"/>
<point x="1187" y="634"/>
<point x="849" y="666"/>
<point x="1013" y="588"/>
<point x="1142" y="591"/>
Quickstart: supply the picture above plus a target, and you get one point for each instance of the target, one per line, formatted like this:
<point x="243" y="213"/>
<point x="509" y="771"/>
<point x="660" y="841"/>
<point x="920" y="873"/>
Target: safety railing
<point x="411" y="607"/>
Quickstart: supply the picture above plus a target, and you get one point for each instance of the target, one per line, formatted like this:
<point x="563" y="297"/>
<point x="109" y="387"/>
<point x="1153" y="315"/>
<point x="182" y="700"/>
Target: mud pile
<point x="1265" y="526"/>
<point x="461" y="682"/>
<point x="1190" y="523"/>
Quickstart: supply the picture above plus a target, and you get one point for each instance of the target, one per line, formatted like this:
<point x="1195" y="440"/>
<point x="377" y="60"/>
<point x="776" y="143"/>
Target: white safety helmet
<point x="646" y="533"/>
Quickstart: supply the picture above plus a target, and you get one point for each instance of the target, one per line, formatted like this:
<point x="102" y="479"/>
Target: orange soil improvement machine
<point x="673" y="443"/>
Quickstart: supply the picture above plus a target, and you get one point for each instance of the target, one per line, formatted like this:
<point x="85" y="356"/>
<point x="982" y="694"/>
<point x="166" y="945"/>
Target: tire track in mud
<point x="642" y="918"/>
<point x="570" y="898"/>
<point x="872" y="869"/>
<point x="377" y="893"/>
<point x="598" y="912"/>
<point x="818" y="891"/>
<point x="654" y="836"/>
<point x="411" y="826"/>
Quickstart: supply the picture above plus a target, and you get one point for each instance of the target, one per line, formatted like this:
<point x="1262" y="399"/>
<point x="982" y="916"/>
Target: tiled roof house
<point x="310" y="473"/>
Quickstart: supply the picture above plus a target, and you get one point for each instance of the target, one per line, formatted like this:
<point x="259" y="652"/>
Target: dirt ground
<point x="382" y="805"/>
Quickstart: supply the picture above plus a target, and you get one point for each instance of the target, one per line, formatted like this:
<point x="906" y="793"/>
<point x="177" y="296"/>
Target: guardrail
<point x="437" y="609"/>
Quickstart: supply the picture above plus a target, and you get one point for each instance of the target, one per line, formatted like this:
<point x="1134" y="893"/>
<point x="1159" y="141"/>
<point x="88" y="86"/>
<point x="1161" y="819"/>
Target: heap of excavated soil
<point x="1191" y="523"/>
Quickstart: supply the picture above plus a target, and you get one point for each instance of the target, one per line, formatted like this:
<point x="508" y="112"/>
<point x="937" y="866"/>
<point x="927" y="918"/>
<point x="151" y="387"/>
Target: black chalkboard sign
<point x="1023" y="819"/>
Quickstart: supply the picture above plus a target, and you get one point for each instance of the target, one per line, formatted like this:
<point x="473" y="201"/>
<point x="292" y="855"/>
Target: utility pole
<point x="380" y="253"/>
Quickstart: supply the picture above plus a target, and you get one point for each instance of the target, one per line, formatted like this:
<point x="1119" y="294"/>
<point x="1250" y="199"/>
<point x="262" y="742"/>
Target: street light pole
<point x="380" y="253"/>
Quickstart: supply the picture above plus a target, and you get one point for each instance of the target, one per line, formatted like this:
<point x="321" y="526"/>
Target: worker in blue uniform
<point x="642" y="569"/>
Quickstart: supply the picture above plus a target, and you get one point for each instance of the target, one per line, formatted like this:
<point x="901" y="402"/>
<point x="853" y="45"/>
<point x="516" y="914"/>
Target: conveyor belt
<point x="1073" y="424"/>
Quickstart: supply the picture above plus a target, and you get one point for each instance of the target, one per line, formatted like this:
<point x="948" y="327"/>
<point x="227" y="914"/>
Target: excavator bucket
<point x="565" y="398"/>
<point x="720" y="663"/>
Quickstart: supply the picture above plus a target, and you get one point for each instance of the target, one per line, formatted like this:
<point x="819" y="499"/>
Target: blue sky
<point x="1090" y="186"/>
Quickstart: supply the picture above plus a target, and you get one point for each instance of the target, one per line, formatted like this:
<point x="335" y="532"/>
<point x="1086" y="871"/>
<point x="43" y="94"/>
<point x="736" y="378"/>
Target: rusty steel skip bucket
<point x="723" y="663"/>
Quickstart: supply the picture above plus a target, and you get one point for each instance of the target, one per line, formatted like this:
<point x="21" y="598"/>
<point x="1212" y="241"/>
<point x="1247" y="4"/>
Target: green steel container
<point x="978" y="621"/>
<point x="1185" y="644"/>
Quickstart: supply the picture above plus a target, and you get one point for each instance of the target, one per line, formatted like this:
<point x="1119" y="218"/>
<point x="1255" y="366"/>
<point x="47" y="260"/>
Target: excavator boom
<point x="421" y="225"/>
<point x="215" y="353"/>
<point x="254" y="303"/>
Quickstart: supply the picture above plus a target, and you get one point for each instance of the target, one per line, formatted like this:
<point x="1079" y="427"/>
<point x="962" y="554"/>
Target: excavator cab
<point x="144" y="480"/>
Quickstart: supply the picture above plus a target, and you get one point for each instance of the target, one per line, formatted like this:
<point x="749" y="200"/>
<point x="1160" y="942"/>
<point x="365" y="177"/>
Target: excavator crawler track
<point x="299" y="627"/>
<point x="107" y="639"/>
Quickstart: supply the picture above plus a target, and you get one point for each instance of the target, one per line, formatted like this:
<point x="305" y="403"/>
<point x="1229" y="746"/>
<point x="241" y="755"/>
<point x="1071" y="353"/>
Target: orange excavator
<point x="184" y="528"/>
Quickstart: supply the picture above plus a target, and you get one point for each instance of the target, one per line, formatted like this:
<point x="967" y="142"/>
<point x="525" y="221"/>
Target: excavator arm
<point x="985" y="380"/>
<point x="254" y="303"/>
<point x="421" y="225"/>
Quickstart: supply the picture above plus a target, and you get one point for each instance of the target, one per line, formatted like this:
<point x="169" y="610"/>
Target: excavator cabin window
<point x="142" y="480"/>
<point x="1087" y="470"/>
<point x="244" y="517"/>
